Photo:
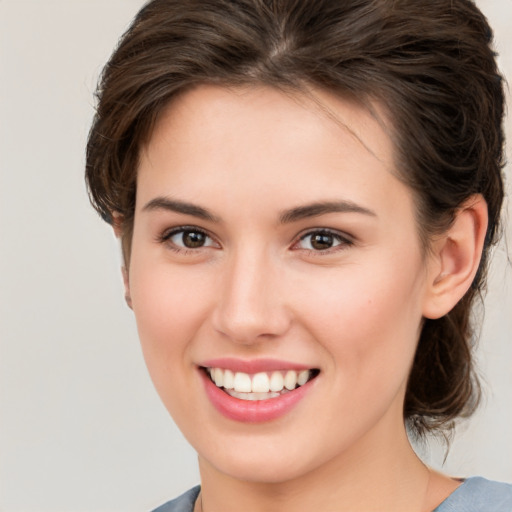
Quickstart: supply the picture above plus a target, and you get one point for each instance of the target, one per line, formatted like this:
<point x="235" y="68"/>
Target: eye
<point x="188" y="238"/>
<point x="321" y="240"/>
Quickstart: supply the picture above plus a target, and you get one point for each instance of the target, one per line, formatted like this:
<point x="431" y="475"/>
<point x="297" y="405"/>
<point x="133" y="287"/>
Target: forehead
<point x="250" y="107"/>
<point x="295" y="146"/>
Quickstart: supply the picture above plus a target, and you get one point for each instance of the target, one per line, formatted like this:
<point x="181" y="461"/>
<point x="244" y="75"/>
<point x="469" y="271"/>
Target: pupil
<point x="193" y="239"/>
<point x="322" y="241"/>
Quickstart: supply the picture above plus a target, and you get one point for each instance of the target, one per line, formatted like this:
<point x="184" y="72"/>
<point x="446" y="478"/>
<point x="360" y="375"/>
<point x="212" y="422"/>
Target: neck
<point x="372" y="475"/>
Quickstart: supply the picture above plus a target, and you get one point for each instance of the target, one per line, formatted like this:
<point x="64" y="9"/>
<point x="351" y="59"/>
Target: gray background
<point x="81" y="428"/>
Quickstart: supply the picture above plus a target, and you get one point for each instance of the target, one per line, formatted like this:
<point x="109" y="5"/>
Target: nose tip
<point x="247" y="327"/>
<point x="250" y="307"/>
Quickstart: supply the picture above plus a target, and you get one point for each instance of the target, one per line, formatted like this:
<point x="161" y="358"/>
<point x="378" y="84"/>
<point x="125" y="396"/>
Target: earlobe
<point x="117" y="225"/>
<point x="126" y="281"/>
<point x="455" y="258"/>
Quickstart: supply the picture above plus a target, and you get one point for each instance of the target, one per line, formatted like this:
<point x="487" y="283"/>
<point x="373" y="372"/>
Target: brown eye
<point x="189" y="239"/>
<point x="322" y="241"/>
<point x="193" y="239"/>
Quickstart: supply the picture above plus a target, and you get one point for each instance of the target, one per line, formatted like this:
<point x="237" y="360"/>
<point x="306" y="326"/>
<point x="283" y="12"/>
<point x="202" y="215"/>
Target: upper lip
<point x="253" y="365"/>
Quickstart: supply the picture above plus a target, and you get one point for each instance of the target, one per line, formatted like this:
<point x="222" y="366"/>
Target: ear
<point x="455" y="257"/>
<point x="117" y="225"/>
<point x="126" y="281"/>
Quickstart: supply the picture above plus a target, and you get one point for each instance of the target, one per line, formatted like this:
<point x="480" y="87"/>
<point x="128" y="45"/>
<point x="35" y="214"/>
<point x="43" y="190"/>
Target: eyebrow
<point x="286" y="217"/>
<point x="323" y="208"/>
<point x="173" y="205"/>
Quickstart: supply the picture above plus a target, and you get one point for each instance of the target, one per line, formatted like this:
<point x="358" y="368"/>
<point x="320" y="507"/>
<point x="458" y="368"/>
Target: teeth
<point x="260" y="383"/>
<point x="218" y="377"/>
<point x="290" y="379"/>
<point x="276" y="381"/>
<point x="302" y="378"/>
<point x="229" y="379"/>
<point x="259" y="386"/>
<point x="242" y="382"/>
<point x="253" y="396"/>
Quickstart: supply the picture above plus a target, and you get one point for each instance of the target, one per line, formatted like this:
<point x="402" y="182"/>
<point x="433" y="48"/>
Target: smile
<point x="261" y="385"/>
<point x="265" y="391"/>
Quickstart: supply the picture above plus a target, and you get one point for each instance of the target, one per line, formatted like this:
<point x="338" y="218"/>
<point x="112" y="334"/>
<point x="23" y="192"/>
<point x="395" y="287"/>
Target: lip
<point x="247" y="411"/>
<point x="253" y="366"/>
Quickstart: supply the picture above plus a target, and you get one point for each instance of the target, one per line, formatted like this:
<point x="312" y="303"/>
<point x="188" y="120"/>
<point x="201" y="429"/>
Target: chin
<point x="264" y="466"/>
<point x="263" y="472"/>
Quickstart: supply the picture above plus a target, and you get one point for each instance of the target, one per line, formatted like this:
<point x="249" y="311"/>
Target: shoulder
<point x="183" y="503"/>
<point x="477" y="494"/>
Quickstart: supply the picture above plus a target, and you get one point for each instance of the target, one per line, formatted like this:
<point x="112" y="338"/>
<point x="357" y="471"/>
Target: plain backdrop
<point x="81" y="428"/>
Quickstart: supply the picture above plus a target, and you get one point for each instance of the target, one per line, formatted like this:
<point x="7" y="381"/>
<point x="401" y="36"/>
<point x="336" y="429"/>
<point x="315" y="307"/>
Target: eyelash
<point x="343" y="241"/>
<point x="165" y="238"/>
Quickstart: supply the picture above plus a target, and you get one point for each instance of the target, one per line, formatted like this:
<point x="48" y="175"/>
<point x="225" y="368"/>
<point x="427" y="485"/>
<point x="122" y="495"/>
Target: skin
<point x="257" y="289"/>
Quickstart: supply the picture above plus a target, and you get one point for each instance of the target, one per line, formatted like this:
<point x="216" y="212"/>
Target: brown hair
<point x="428" y="62"/>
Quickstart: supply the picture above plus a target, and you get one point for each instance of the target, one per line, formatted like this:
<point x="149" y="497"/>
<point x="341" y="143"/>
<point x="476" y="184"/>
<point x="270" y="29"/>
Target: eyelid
<point x="345" y="240"/>
<point x="167" y="234"/>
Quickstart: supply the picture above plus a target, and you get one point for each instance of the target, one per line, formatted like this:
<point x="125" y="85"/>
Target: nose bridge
<point x="250" y="305"/>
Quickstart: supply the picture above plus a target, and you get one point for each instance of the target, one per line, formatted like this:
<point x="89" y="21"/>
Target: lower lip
<point x="257" y="411"/>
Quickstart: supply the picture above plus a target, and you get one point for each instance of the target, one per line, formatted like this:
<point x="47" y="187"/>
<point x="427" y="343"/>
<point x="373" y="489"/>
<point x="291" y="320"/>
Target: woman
<point x="306" y="193"/>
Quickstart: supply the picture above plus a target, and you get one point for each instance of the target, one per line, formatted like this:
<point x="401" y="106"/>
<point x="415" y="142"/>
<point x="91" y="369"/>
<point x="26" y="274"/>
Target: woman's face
<point x="270" y="239"/>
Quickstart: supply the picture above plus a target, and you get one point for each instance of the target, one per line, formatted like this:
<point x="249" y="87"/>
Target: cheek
<point x="367" y="317"/>
<point x="169" y="308"/>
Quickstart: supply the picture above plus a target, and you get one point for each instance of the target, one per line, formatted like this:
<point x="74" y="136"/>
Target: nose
<point x="251" y="306"/>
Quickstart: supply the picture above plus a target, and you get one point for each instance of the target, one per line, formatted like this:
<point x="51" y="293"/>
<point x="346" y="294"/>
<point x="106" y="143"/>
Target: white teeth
<point x="242" y="382"/>
<point x="259" y="386"/>
<point x="253" y="396"/>
<point x="302" y="378"/>
<point x="218" y="377"/>
<point x="260" y="383"/>
<point x="290" y="380"/>
<point x="276" y="381"/>
<point x="229" y="379"/>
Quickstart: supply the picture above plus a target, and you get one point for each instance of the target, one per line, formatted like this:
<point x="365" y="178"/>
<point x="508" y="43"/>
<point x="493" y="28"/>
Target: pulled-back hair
<point x="429" y="63"/>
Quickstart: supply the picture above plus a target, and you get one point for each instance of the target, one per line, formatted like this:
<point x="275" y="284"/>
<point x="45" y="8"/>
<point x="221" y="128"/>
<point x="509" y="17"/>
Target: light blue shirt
<point x="476" y="494"/>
